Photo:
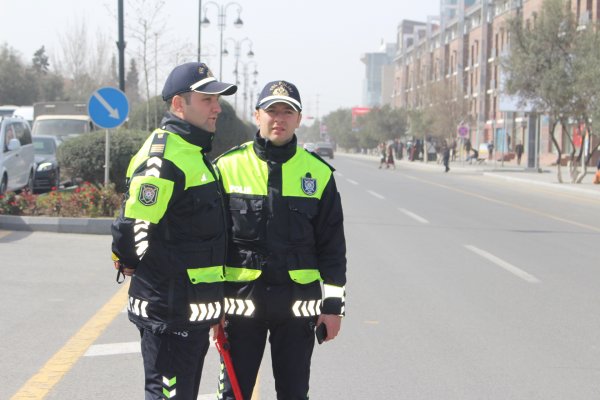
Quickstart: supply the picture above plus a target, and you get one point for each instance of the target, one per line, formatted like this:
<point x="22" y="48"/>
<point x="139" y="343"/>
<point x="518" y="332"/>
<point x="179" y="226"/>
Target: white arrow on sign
<point x="112" y="112"/>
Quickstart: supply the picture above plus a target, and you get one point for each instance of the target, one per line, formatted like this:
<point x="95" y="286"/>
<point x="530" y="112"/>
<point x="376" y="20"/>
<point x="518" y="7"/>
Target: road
<point x="460" y="286"/>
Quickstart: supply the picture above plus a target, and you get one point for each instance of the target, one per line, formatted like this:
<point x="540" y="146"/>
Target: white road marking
<point x="352" y="182"/>
<point x="413" y="216"/>
<point x="112" y="349"/>
<point x="376" y="194"/>
<point x="338" y="173"/>
<point x="503" y="264"/>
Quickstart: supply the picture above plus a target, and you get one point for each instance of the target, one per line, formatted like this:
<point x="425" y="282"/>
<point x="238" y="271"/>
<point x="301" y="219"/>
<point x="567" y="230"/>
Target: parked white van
<point x="17" y="160"/>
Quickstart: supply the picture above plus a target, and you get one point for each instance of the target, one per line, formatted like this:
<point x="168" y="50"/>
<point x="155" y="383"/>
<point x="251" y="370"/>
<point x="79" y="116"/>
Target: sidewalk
<point x="509" y="171"/>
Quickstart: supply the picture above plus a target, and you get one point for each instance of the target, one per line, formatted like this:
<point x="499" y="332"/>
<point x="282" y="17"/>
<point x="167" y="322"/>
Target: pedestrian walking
<point x="389" y="162"/>
<point x="519" y="152"/>
<point x="287" y="238"/>
<point x="170" y="236"/>
<point x="446" y="156"/>
<point x="383" y="154"/>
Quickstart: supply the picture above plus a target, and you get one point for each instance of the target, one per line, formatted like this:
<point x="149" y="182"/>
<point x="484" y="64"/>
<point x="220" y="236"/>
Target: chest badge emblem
<point x="309" y="185"/>
<point x="148" y="194"/>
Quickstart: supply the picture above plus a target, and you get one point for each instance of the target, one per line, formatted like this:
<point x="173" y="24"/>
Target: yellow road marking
<point x="38" y="386"/>
<point x="516" y="206"/>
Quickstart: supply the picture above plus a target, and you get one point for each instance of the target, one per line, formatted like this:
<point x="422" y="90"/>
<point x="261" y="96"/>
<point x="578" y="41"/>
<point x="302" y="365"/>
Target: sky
<point x="315" y="44"/>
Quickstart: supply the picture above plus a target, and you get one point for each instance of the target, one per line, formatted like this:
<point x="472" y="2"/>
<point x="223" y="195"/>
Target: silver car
<point x="17" y="163"/>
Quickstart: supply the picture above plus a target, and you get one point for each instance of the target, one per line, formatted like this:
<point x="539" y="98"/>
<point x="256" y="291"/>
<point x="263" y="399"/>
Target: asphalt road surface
<point x="460" y="286"/>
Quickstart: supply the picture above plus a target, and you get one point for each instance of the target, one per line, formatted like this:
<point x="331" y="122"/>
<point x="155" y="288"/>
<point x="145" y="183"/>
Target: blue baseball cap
<point x="194" y="77"/>
<point x="279" y="92"/>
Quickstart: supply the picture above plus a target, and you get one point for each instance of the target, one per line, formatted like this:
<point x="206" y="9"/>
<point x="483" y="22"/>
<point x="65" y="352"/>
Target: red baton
<point x="223" y="348"/>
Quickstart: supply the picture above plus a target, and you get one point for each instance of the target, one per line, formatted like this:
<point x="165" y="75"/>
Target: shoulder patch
<point x="320" y="159"/>
<point x="159" y="142"/>
<point x="148" y="194"/>
<point x="233" y="149"/>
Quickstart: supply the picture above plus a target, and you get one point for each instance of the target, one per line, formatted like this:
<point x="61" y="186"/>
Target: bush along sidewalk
<point x="86" y="200"/>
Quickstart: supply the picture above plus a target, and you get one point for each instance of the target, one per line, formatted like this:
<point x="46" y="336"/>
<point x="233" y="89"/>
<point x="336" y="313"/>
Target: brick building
<point x="460" y="51"/>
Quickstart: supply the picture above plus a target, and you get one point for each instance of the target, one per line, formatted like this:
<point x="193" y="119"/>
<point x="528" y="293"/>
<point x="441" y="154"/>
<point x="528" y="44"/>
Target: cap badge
<point x="280" y="90"/>
<point x="148" y="194"/>
<point x="309" y="185"/>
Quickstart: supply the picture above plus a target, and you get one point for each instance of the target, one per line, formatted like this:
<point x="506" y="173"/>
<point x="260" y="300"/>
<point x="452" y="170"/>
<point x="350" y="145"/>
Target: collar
<point x="188" y="132"/>
<point x="267" y="151"/>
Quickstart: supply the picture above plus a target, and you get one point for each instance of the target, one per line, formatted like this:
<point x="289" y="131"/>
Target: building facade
<point x="379" y="72"/>
<point x="460" y="52"/>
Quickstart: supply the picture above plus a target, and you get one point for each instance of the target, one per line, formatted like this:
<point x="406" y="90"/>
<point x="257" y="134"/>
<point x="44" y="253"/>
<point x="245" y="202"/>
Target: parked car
<point x="309" y="146"/>
<point x="324" y="149"/>
<point x="17" y="164"/>
<point x="47" y="170"/>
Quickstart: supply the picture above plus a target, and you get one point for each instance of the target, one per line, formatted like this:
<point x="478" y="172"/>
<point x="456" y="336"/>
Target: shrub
<point x="83" y="156"/>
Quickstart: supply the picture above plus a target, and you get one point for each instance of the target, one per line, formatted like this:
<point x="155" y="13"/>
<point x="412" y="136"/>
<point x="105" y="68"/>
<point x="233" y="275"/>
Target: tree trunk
<point x="558" y="149"/>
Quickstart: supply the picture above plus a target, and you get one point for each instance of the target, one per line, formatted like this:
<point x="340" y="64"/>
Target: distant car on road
<point x="47" y="172"/>
<point x="309" y="146"/>
<point x="324" y="149"/>
<point x="17" y="163"/>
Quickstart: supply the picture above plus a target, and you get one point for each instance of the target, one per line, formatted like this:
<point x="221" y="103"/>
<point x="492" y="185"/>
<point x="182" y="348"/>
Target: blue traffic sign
<point x="108" y="107"/>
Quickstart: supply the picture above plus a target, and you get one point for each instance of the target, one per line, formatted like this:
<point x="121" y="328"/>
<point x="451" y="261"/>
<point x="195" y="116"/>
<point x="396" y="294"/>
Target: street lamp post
<point x="254" y="75"/>
<point x="237" y="44"/>
<point x="222" y="16"/>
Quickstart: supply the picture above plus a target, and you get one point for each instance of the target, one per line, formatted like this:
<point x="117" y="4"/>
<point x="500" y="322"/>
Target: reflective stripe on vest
<point x="206" y="274"/>
<point x="334" y="291"/>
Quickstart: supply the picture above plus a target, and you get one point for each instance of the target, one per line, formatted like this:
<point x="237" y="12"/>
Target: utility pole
<point x="199" y="29"/>
<point x="121" y="46"/>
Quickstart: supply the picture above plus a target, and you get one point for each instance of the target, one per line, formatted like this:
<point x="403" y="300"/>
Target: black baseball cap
<point x="194" y="77"/>
<point x="279" y="92"/>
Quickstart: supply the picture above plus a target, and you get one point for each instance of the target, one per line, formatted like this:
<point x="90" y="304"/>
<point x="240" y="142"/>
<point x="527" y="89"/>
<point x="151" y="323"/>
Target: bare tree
<point x="83" y="61"/>
<point x="147" y="33"/>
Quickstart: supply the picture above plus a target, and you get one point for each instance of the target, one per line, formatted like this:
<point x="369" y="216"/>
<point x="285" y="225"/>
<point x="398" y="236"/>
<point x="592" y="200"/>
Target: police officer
<point x="287" y="237"/>
<point x="170" y="236"/>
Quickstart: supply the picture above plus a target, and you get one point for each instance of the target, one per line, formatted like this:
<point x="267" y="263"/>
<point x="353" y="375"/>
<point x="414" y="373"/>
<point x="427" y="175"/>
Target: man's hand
<point x="332" y="323"/>
<point x="127" y="271"/>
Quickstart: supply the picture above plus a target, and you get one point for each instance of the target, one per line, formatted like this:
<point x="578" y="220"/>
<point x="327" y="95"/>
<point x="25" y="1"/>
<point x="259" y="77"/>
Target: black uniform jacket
<point x="179" y="259"/>
<point x="286" y="233"/>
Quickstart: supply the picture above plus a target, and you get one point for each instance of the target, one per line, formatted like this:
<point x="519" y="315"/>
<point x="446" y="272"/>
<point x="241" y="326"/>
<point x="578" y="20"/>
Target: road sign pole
<point x="108" y="108"/>
<point x="106" y="158"/>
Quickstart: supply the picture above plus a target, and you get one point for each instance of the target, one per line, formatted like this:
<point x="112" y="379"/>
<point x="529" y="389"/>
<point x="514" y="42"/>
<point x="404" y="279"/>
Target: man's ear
<point x="257" y="117"/>
<point x="177" y="104"/>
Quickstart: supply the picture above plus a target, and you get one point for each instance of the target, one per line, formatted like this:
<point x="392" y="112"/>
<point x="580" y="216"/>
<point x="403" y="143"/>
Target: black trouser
<point x="291" y="337"/>
<point x="173" y="363"/>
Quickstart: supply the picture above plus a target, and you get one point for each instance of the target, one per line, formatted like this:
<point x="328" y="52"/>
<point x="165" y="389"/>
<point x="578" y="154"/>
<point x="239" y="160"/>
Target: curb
<point x="93" y="226"/>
